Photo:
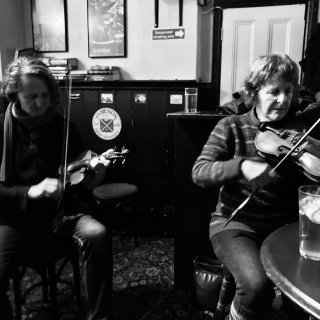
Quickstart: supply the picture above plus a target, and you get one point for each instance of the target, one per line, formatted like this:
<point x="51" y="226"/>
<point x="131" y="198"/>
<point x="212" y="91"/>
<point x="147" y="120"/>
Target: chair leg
<point x="134" y="228"/>
<point x="17" y="295"/>
<point x="45" y="284"/>
<point x="53" y="290"/>
<point x="77" y="279"/>
<point x="50" y="276"/>
<point x="226" y="296"/>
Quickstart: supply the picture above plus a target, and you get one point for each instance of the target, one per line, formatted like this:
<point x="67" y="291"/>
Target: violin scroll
<point x="76" y="170"/>
<point x="110" y="154"/>
<point x="114" y="155"/>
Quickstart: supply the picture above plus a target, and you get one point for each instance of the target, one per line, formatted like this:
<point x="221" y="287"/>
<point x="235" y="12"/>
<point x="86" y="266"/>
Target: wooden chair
<point x="50" y="266"/>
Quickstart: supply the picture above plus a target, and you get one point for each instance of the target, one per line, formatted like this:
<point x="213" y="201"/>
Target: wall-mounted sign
<point x="140" y="98"/>
<point x="176" y="98"/>
<point x="106" y="98"/>
<point x="106" y="123"/>
<point x="168" y="34"/>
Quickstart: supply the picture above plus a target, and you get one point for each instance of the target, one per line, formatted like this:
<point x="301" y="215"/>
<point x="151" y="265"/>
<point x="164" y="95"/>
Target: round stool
<point x="112" y="196"/>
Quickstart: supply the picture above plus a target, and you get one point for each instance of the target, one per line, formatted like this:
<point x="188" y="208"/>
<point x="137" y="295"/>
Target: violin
<point x="274" y="144"/>
<point x="111" y="155"/>
<point x="77" y="169"/>
<point x="280" y="141"/>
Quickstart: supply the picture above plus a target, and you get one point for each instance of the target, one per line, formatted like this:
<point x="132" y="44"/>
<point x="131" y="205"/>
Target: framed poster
<point x="49" y="27"/>
<point x="106" y="28"/>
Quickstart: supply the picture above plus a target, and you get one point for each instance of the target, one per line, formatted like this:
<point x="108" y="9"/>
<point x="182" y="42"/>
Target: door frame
<point x="311" y="18"/>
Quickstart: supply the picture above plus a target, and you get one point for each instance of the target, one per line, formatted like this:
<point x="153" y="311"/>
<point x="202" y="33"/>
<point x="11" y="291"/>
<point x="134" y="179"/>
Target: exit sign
<point x="167" y="34"/>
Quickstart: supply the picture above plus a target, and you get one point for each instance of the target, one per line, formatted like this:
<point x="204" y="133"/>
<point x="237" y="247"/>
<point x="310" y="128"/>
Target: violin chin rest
<point x="76" y="177"/>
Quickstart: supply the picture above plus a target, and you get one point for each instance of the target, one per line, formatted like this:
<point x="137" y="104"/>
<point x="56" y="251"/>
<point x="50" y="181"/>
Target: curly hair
<point x="277" y="66"/>
<point x="32" y="67"/>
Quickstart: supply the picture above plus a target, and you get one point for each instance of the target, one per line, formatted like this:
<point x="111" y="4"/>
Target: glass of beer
<point x="191" y="99"/>
<point x="309" y="221"/>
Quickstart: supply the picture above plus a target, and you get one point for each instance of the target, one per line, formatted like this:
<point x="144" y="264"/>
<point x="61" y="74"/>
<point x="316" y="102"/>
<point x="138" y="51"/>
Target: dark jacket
<point x="46" y="150"/>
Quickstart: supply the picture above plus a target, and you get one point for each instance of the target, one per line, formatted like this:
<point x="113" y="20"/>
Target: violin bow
<point x="65" y="143"/>
<point x="244" y="203"/>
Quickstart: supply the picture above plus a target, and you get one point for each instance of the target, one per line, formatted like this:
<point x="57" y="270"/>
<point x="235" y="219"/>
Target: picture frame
<point x="140" y="98"/>
<point x="106" y="28"/>
<point x="106" y="98"/>
<point x="49" y="25"/>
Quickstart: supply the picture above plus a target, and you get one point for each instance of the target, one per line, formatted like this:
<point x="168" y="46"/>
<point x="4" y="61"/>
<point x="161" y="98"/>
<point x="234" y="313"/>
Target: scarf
<point x="14" y="111"/>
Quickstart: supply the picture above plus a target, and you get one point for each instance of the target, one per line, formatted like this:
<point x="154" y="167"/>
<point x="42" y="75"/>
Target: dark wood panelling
<point x="142" y="156"/>
<point x="145" y="133"/>
<point x="193" y="204"/>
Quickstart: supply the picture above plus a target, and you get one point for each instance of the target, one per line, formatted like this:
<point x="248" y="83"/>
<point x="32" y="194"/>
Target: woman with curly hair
<point x="230" y="160"/>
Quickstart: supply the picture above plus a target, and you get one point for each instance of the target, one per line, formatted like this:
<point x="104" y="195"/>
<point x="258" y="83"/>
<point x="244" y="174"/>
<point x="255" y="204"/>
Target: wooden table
<point x="296" y="277"/>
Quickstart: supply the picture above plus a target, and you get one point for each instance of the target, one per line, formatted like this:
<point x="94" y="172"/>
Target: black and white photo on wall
<point x="106" y="98"/>
<point x="49" y="25"/>
<point x="107" y="28"/>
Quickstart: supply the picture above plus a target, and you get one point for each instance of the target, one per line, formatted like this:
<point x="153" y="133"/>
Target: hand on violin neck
<point x="259" y="174"/>
<point x="107" y="154"/>
<point x="98" y="164"/>
<point x="48" y="188"/>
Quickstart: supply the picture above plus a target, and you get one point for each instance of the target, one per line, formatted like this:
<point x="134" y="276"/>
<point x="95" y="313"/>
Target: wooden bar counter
<point x="193" y="204"/>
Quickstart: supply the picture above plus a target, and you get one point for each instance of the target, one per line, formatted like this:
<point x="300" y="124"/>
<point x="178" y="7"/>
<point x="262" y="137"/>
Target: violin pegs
<point x="124" y="150"/>
<point x="263" y="126"/>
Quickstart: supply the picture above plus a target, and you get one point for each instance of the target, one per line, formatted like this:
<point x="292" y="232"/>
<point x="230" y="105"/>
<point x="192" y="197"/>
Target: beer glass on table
<point x="309" y="221"/>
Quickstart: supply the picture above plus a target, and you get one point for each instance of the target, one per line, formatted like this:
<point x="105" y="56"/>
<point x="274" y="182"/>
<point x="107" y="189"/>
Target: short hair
<point x="277" y="66"/>
<point x="29" y="66"/>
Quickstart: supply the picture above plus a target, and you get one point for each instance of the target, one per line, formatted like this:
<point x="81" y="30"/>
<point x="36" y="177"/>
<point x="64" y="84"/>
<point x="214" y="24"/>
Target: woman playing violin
<point x="229" y="160"/>
<point x="31" y="148"/>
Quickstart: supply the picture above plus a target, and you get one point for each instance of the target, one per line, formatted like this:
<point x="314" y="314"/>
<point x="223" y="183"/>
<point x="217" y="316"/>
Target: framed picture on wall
<point x="107" y="28"/>
<point x="49" y="27"/>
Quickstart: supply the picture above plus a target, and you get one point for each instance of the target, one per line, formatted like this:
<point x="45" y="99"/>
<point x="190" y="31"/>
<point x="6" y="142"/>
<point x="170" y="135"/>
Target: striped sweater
<point x="231" y="142"/>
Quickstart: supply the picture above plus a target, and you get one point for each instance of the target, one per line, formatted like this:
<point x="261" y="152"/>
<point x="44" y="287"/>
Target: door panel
<point x="251" y="32"/>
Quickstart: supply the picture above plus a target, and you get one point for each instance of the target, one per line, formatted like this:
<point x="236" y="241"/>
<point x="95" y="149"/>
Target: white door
<point x="251" y="32"/>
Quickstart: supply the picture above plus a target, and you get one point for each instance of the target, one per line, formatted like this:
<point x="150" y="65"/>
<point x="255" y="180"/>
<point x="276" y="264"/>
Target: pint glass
<point x="191" y="99"/>
<point x="309" y="221"/>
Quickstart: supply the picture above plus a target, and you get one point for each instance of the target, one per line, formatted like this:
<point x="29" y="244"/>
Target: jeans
<point x="95" y="246"/>
<point x="239" y="251"/>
